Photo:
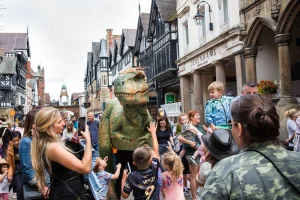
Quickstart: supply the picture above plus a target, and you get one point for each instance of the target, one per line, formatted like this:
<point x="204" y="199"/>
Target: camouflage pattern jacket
<point x="249" y="175"/>
<point x="217" y="111"/>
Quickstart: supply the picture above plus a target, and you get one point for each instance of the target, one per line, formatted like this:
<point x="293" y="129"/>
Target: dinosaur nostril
<point x="122" y="83"/>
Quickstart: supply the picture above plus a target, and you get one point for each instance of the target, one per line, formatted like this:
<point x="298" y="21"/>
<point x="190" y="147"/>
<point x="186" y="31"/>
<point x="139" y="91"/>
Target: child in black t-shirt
<point x="143" y="181"/>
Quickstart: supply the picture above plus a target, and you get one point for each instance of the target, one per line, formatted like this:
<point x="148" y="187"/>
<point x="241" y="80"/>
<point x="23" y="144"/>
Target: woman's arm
<point x="10" y="161"/>
<point x="185" y="141"/>
<point x="59" y="154"/>
<point x="25" y="161"/>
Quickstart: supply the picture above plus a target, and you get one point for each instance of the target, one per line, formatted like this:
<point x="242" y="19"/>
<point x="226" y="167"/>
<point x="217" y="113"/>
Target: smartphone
<point x="81" y="125"/>
<point x="128" y="167"/>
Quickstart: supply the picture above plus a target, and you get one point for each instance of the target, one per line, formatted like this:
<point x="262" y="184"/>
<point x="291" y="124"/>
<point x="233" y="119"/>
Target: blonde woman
<point x="48" y="152"/>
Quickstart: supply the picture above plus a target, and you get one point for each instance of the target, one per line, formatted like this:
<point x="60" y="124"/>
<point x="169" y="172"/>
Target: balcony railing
<point x="172" y="109"/>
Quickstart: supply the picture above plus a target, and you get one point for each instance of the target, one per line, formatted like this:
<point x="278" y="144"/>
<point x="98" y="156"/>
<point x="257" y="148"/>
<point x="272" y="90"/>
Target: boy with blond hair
<point x="217" y="109"/>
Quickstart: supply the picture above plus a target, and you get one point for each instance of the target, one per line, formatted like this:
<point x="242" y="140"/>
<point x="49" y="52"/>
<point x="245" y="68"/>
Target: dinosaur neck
<point x="134" y="108"/>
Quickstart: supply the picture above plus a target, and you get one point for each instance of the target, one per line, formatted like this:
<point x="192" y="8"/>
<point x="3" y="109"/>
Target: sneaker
<point x="14" y="196"/>
<point x="193" y="160"/>
<point x="186" y="192"/>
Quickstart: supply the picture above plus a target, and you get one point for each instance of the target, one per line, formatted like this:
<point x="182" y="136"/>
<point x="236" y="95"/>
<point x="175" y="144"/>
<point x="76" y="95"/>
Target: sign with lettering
<point x="204" y="57"/>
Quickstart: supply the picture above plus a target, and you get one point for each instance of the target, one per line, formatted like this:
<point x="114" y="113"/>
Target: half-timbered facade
<point x="17" y="51"/>
<point x="162" y="38"/>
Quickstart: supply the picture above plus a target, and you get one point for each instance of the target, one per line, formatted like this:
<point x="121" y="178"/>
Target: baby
<point x="188" y="134"/>
<point x="103" y="176"/>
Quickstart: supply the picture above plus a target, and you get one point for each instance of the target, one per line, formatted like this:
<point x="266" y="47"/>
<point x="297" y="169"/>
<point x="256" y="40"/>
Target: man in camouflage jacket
<point x="249" y="175"/>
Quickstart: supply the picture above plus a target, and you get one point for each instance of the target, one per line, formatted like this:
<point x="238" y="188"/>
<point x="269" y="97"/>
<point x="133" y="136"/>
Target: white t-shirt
<point x="68" y="135"/>
<point x="291" y="128"/>
<point x="4" y="186"/>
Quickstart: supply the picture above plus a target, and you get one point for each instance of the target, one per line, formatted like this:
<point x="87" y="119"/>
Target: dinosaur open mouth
<point x="130" y="95"/>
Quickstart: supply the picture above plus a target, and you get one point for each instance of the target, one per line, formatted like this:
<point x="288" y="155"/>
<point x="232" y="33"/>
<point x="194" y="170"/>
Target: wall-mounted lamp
<point x="198" y="17"/>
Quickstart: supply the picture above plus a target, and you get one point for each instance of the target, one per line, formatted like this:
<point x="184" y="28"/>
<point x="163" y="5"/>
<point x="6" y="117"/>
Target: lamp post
<point x="198" y="17"/>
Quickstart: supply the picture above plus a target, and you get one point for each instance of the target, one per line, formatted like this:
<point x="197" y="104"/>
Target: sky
<point x="61" y="33"/>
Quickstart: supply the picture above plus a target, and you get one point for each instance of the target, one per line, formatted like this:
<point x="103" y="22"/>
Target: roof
<point x="96" y="51"/>
<point x="8" y="65"/>
<point x="89" y="60"/>
<point x="167" y="9"/>
<point x="145" y="17"/>
<point x="129" y="35"/>
<point x="75" y="96"/>
<point x="14" y="41"/>
<point x="63" y="86"/>
<point x="103" y="49"/>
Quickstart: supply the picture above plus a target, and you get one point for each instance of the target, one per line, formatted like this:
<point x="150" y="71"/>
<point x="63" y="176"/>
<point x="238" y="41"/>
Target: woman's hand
<point x="193" y="129"/>
<point x="9" y="177"/>
<point x="86" y="134"/>
<point x="192" y="144"/>
<point x="45" y="192"/>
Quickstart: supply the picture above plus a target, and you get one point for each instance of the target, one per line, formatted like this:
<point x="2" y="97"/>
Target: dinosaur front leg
<point x="116" y="135"/>
<point x="144" y="139"/>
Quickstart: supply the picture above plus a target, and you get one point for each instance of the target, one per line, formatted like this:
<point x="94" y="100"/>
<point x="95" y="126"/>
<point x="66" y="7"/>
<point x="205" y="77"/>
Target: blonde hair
<point x="291" y="112"/>
<point x="97" y="165"/>
<point x="172" y="162"/>
<point x="43" y="137"/>
<point x="297" y="114"/>
<point x="181" y="115"/>
<point x="216" y="85"/>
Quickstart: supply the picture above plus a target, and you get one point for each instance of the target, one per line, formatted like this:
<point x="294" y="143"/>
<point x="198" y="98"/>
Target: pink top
<point x="173" y="190"/>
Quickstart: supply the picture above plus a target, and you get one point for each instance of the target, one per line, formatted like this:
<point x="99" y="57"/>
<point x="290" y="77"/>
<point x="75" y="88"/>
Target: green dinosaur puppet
<point x="123" y="124"/>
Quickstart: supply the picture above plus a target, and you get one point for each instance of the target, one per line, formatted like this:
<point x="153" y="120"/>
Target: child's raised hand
<point x="152" y="128"/>
<point x="125" y="174"/>
<point x="106" y="158"/>
<point x="119" y="166"/>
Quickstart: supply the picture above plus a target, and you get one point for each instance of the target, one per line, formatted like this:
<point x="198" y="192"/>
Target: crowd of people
<point x="234" y="153"/>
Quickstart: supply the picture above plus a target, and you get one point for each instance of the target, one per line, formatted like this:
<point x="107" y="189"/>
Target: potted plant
<point x="267" y="88"/>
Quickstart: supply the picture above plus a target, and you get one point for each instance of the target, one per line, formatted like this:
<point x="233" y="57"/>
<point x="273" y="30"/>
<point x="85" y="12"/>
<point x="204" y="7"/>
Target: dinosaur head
<point x="131" y="87"/>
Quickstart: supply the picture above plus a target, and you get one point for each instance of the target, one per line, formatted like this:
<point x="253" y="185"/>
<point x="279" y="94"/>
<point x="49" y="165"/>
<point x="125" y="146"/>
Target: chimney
<point x="109" y="37"/>
<point x="28" y="74"/>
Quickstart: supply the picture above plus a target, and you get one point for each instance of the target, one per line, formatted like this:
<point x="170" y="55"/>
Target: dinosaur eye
<point x="137" y="78"/>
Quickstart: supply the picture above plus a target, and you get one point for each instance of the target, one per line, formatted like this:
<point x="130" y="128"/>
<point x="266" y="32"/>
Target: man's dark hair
<point x="251" y="84"/>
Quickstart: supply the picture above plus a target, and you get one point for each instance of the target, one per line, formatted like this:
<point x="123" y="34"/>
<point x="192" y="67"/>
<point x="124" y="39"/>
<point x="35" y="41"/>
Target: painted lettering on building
<point x="204" y="57"/>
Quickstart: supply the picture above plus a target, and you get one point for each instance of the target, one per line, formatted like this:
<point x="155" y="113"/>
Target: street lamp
<point x="198" y="17"/>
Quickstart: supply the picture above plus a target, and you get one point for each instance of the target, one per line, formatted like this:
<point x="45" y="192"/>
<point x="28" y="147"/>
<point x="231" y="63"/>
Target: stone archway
<point x="250" y="49"/>
<point x="288" y="17"/>
<point x="255" y="29"/>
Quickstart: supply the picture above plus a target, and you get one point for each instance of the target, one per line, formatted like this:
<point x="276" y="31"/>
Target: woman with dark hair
<point x="24" y="151"/>
<point x="263" y="169"/>
<point x="14" y="171"/>
<point x="164" y="134"/>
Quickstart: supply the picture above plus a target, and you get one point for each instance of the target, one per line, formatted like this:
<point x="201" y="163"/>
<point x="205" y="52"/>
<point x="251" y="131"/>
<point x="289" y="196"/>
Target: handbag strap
<point x="280" y="172"/>
<point x="68" y="187"/>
